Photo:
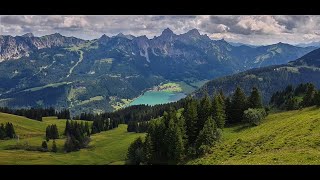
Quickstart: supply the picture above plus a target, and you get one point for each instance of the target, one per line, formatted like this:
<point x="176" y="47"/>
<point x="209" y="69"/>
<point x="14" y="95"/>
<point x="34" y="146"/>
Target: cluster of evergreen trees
<point x="32" y="113"/>
<point x="239" y="102"/>
<point x="138" y="127"/>
<point x="52" y="132"/>
<point x="44" y="146"/>
<point x="77" y="135"/>
<point x="7" y="131"/>
<point x="176" y="136"/>
<point x="290" y="97"/>
<point x="63" y="114"/>
<point x="99" y="125"/>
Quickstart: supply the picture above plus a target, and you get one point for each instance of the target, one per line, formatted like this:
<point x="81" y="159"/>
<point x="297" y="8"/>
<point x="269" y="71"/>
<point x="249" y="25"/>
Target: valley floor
<point x="291" y="137"/>
<point x="108" y="147"/>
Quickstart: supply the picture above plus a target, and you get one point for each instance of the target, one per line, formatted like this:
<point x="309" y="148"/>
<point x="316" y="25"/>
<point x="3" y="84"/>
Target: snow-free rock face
<point x="19" y="46"/>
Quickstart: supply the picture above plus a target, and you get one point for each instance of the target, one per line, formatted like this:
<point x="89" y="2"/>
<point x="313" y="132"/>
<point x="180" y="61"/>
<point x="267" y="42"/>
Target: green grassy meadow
<point x="108" y="147"/>
<point x="291" y="137"/>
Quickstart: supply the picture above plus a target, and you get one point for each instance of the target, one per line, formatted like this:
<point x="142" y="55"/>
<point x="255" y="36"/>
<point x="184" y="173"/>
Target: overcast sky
<point x="255" y="30"/>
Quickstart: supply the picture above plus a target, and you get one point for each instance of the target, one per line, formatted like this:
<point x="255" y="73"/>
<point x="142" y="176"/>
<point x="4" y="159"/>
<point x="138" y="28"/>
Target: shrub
<point x="254" y="116"/>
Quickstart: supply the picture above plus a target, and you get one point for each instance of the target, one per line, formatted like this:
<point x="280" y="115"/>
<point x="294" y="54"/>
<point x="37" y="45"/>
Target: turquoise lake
<point x="157" y="97"/>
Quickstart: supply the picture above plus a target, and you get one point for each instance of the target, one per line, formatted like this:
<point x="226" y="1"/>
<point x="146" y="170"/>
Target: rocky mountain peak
<point x="193" y="32"/>
<point x="28" y="35"/>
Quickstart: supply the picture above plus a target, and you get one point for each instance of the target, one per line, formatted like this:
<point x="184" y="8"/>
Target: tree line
<point x="37" y="113"/>
<point x="32" y="113"/>
<point x="99" y="125"/>
<point x="7" y="131"/>
<point x="292" y="98"/>
<point x="177" y="136"/>
<point x="138" y="126"/>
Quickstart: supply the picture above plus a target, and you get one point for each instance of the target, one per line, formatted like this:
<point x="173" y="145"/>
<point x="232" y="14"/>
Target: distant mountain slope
<point x="270" y="79"/>
<point x="286" y="138"/>
<point x="19" y="46"/>
<point x="96" y="75"/>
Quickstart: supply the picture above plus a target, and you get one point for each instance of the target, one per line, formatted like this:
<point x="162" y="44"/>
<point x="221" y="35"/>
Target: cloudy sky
<point x="257" y="30"/>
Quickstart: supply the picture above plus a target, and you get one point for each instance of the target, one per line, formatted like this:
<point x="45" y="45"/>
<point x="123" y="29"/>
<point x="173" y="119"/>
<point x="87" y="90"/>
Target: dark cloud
<point x="291" y="22"/>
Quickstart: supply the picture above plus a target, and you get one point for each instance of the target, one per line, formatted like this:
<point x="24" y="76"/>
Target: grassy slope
<point x="291" y="137"/>
<point x="108" y="147"/>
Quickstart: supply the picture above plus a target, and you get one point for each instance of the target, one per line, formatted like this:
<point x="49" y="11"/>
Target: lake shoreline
<point x="159" y="88"/>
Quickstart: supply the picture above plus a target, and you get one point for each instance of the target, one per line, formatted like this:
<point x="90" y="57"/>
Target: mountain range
<point x="269" y="79"/>
<point x="94" y="75"/>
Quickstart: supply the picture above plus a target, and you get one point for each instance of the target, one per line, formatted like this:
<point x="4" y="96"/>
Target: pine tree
<point x="204" y="111"/>
<point x="238" y="106"/>
<point x="219" y="115"/>
<point x="54" y="146"/>
<point x="207" y="136"/>
<point x="191" y="118"/>
<point x="254" y="100"/>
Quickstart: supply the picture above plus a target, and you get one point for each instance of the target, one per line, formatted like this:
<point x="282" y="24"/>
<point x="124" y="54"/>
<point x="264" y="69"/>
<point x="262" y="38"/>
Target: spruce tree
<point x="204" y="111"/>
<point x="174" y="143"/>
<point x="148" y="150"/>
<point x="238" y="105"/>
<point x="207" y="136"/>
<point x="55" y="133"/>
<point x="54" y="146"/>
<point x="48" y="133"/>
<point x="219" y="115"/>
<point x="67" y="128"/>
<point x="191" y="118"/>
<point x="255" y="100"/>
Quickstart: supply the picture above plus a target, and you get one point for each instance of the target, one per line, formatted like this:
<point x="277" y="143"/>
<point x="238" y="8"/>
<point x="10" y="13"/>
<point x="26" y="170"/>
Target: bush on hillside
<point x="254" y="116"/>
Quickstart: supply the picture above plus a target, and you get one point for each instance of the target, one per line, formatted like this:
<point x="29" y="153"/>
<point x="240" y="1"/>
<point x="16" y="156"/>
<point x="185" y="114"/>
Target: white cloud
<point x="247" y="29"/>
